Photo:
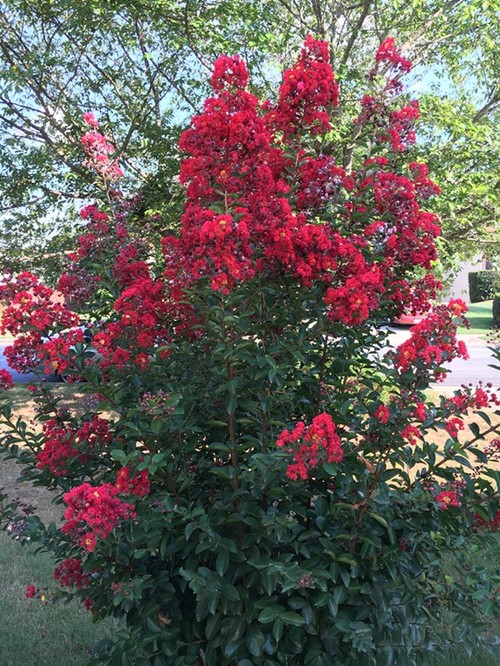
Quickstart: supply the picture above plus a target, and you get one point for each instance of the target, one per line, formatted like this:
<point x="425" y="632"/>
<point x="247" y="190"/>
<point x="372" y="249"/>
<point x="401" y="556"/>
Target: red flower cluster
<point x="420" y="412"/>
<point x="230" y="72"/>
<point x="30" y="592"/>
<point x="94" y="507"/>
<point x="447" y="498"/>
<point x="32" y="313"/>
<point x="382" y="413"/>
<point x="352" y="302"/>
<point x="58" y="353"/>
<point x="31" y="306"/>
<point x="239" y="218"/>
<point x="5" y="380"/>
<point x="70" y="574"/>
<point x="465" y="400"/>
<point x="64" y="443"/>
<point x="453" y="426"/>
<point x="411" y="434"/>
<point x="307" y="93"/>
<point x="143" y="308"/>
<point x="308" y="445"/>
<point x="433" y="341"/>
<point x="128" y="483"/>
<point x="387" y="52"/>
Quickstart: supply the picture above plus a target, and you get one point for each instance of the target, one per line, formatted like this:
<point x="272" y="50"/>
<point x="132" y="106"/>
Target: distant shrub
<point x="496" y="310"/>
<point x="483" y="285"/>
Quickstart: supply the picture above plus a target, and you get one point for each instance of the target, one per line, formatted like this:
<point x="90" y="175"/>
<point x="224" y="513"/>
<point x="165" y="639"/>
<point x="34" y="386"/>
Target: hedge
<point x="496" y="310"/>
<point x="483" y="285"/>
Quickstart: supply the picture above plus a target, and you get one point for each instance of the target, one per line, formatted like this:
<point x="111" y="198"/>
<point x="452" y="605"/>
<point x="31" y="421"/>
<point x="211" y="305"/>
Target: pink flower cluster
<point x="311" y="445"/>
<point x="99" y="152"/>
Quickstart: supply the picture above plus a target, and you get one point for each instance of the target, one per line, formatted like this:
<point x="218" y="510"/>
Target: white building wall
<point x="459" y="287"/>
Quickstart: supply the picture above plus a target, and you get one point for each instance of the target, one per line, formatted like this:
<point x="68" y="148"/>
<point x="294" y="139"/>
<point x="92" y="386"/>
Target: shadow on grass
<point x="72" y="396"/>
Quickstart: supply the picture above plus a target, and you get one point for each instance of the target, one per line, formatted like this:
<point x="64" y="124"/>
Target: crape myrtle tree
<point x="143" y="68"/>
<point x="257" y="477"/>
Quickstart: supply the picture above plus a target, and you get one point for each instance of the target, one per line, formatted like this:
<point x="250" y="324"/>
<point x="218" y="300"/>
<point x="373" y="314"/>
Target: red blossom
<point x="387" y="52"/>
<point x="31" y="592"/>
<point x="65" y="443"/>
<point x="129" y="483"/>
<point x="382" y="413"/>
<point x="308" y="445"/>
<point x="94" y="507"/>
<point x="432" y="342"/>
<point x="411" y="434"/>
<point x="307" y="93"/>
<point x="447" y="498"/>
<point x="70" y="574"/>
<point x="6" y="381"/>
<point x="420" y="412"/>
<point x="453" y="426"/>
<point x="229" y="72"/>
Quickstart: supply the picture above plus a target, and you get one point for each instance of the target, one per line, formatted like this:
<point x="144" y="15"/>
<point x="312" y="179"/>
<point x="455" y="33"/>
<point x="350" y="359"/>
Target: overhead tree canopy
<point x="140" y="67"/>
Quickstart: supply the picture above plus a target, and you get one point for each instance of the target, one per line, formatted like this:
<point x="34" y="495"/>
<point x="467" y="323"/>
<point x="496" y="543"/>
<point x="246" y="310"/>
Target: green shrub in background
<point x="496" y="310"/>
<point x="483" y="285"/>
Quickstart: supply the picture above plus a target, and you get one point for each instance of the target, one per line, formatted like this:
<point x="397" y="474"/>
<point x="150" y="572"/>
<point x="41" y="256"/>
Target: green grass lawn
<point x="480" y="316"/>
<point x="34" y="633"/>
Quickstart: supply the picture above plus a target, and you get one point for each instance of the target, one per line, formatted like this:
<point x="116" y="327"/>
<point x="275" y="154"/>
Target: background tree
<point x="141" y="66"/>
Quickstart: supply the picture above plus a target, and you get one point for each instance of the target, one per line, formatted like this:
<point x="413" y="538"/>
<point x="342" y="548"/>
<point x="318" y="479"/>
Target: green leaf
<point x="222" y="562"/>
<point x="213" y="626"/>
<point x="269" y="614"/>
<point x="289" y="617"/>
<point x="118" y="455"/>
<point x="278" y="627"/>
<point x="255" y="641"/>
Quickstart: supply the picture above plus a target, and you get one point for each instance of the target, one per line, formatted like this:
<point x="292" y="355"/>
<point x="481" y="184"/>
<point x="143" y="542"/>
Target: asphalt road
<point x="473" y="370"/>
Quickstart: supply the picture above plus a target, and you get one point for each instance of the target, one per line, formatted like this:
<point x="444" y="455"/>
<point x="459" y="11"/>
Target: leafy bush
<point x="483" y="285"/>
<point x="496" y="310"/>
<point x="260" y="481"/>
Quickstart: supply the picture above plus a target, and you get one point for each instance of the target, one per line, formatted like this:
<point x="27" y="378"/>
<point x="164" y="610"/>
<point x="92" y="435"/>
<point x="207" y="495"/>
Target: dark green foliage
<point x="483" y="285"/>
<point x="496" y="310"/>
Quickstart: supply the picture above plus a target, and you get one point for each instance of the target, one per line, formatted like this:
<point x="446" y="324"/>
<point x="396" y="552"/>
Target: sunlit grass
<point x="480" y="316"/>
